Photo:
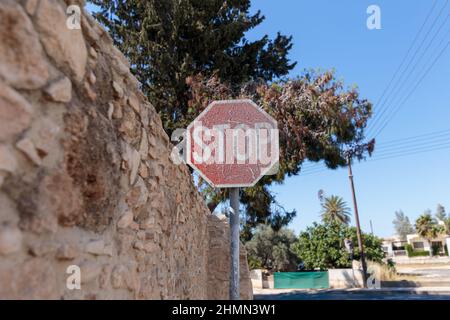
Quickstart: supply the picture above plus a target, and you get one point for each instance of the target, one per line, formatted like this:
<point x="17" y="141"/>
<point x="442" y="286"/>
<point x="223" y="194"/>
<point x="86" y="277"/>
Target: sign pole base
<point x="234" y="244"/>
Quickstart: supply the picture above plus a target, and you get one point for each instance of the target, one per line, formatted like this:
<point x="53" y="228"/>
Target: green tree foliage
<point x="440" y="213"/>
<point x="272" y="250"/>
<point x="442" y="216"/>
<point x="187" y="53"/>
<point x="402" y="225"/>
<point x="447" y="225"/>
<point x="317" y="120"/>
<point x="415" y="253"/>
<point x="168" y="41"/>
<point x="427" y="227"/>
<point x="322" y="246"/>
<point x="334" y="209"/>
<point x="372" y="246"/>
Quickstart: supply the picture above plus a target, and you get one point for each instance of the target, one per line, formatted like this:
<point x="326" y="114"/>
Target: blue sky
<point x="330" y="34"/>
<point x="333" y="34"/>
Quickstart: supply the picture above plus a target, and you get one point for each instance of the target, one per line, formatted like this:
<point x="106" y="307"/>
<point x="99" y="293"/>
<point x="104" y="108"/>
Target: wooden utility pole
<point x="234" y="244"/>
<point x="358" y="228"/>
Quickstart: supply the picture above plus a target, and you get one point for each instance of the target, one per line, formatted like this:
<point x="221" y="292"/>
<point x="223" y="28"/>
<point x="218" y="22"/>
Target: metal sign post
<point x="234" y="244"/>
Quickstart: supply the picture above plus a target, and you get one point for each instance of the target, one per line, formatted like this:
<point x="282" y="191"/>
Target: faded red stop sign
<point x="233" y="143"/>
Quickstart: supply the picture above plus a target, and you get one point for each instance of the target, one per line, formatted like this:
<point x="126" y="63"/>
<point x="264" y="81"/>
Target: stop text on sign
<point x="242" y="144"/>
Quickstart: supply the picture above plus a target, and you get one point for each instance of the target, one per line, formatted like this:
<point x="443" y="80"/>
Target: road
<point x="355" y="294"/>
<point x="428" y="272"/>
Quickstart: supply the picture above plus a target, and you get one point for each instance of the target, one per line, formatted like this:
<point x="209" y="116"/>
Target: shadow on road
<point x="354" y="295"/>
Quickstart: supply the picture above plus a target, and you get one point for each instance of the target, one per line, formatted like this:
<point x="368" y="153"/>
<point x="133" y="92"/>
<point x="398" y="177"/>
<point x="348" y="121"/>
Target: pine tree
<point x="172" y="43"/>
<point x="442" y="217"/>
<point x="402" y="225"/>
<point x="171" y="40"/>
<point x="317" y="119"/>
<point x="440" y="213"/>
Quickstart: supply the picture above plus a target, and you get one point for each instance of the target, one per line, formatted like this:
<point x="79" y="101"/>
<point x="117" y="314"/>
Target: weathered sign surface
<point x="232" y="143"/>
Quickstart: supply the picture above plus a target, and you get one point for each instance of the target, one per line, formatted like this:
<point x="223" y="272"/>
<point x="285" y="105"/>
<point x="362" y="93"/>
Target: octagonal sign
<point x="233" y="143"/>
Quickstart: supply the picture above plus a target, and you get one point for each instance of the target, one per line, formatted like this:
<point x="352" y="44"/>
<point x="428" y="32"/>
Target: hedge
<point x="416" y="253"/>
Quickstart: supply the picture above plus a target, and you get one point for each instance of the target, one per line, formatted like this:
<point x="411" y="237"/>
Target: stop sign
<point x="232" y="143"/>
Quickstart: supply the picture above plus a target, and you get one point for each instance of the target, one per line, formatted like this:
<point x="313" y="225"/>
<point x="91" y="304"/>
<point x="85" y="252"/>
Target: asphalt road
<point x="355" y="295"/>
<point x="434" y="283"/>
<point x="436" y="273"/>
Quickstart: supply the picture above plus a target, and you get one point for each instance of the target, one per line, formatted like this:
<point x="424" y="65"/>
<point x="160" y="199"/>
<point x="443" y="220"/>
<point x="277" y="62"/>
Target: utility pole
<point x="234" y="244"/>
<point x="371" y="227"/>
<point x="358" y="228"/>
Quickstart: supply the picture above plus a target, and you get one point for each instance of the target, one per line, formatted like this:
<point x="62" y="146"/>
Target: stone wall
<point x="85" y="173"/>
<point x="219" y="261"/>
<point x="345" y="278"/>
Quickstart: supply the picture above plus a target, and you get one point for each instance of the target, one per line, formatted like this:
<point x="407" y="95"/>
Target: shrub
<point x="416" y="253"/>
<point x="321" y="246"/>
<point x="254" y="263"/>
<point x="421" y="253"/>
<point x="446" y="250"/>
<point x="409" y="250"/>
<point x="381" y="271"/>
<point x="271" y="250"/>
<point x="435" y="250"/>
<point x="390" y="264"/>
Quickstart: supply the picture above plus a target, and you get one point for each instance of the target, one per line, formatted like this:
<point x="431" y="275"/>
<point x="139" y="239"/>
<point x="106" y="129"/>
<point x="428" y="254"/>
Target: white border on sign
<point x="188" y="142"/>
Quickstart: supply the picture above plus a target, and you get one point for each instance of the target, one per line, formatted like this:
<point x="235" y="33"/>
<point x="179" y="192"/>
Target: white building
<point x="419" y="243"/>
<point x="395" y="246"/>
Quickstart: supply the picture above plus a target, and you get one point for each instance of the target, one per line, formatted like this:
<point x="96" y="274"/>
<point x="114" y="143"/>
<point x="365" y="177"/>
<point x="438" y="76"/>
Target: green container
<point x="301" y="280"/>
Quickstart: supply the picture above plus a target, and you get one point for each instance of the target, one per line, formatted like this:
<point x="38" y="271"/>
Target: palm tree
<point x="427" y="228"/>
<point x="334" y="209"/>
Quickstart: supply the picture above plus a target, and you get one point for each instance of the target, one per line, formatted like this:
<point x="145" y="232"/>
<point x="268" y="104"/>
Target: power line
<point x="438" y="142"/>
<point x="409" y="148"/>
<point x="387" y="116"/>
<point x="385" y="107"/>
<point x="411" y="92"/>
<point x="393" y="91"/>
<point x="412" y="152"/>
<point x="396" y="148"/>
<point x="413" y="143"/>
<point x="320" y="170"/>
<point x="419" y="137"/>
<point x="404" y="59"/>
<point x="424" y="140"/>
<point x="417" y="140"/>
<point x="415" y="67"/>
